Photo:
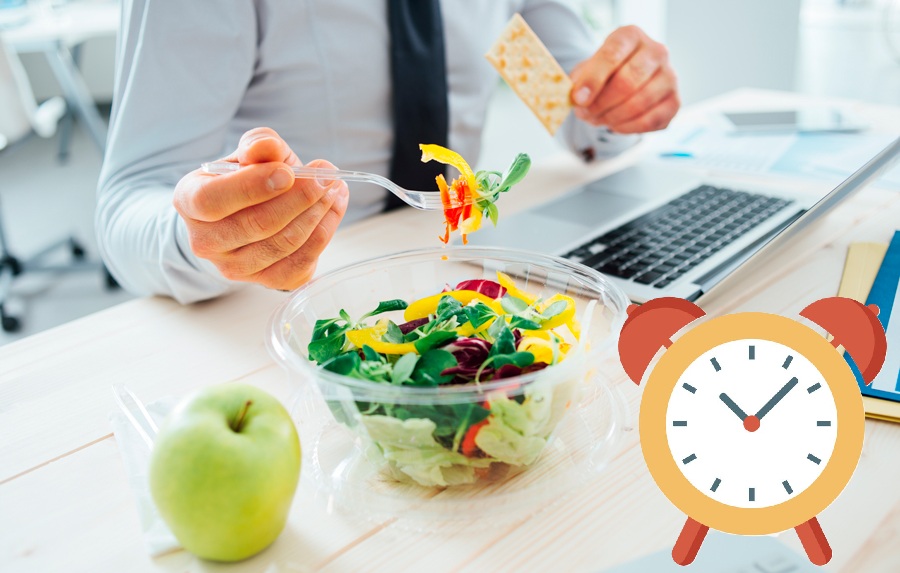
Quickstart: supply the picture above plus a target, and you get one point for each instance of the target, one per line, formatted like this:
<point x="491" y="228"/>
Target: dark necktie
<point x="419" y="82"/>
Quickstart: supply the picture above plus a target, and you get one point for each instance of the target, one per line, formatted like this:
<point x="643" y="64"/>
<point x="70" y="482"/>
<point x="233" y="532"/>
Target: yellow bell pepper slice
<point x="566" y="317"/>
<point x="468" y="330"/>
<point x="371" y="336"/>
<point x="542" y="349"/>
<point x="512" y="290"/>
<point x="472" y="223"/>
<point x="562" y="318"/>
<point x="432" y="152"/>
<point x="428" y="305"/>
<point x="539" y="343"/>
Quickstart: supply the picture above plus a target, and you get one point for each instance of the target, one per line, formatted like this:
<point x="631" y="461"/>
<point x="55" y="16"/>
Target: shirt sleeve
<point x="564" y="33"/>
<point x="176" y="90"/>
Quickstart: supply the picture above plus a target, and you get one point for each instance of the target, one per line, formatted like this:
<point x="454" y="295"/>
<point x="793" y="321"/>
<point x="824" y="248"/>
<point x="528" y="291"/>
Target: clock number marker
<point x="814" y="459"/>
<point x="679" y="422"/>
<point x="787" y="487"/>
<point x="752" y="352"/>
<point x="689" y="388"/>
<point x="715" y="485"/>
<point x="715" y="364"/>
<point x="752" y="494"/>
<point x="787" y="362"/>
<point x="814" y="387"/>
<point x="689" y="459"/>
<point x="823" y="423"/>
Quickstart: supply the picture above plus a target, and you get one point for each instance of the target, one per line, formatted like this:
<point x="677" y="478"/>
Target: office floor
<point x="42" y="200"/>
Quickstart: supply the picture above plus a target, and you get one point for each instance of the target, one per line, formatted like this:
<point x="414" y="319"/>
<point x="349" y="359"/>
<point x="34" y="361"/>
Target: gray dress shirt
<point x="192" y="76"/>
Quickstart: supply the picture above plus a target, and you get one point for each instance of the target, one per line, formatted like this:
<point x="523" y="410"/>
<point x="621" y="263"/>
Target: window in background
<point x="850" y="49"/>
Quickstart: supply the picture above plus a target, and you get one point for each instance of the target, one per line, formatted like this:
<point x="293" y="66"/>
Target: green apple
<point x="224" y="469"/>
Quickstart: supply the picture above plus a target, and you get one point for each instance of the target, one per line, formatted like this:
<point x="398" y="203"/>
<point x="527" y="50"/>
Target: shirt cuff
<point x="595" y="142"/>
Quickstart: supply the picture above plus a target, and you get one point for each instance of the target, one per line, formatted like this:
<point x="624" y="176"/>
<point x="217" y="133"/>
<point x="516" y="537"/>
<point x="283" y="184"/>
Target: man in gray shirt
<point x="196" y="80"/>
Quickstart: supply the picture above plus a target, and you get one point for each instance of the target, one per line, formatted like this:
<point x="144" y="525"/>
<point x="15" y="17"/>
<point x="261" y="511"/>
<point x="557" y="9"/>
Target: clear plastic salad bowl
<point x="549" y="430"/>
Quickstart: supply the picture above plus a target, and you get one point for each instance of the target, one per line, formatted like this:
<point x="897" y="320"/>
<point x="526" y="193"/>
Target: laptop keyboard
<point x="660" y="246"/>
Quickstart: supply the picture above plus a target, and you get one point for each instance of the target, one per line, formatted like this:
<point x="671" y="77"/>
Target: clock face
<point x="751" y="423"/>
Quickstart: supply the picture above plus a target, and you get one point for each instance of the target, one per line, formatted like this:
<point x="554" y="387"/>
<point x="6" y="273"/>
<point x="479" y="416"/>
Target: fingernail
<point x="324" y="182"/>
<point x="334" y="189"/>
<point x="280" y="179"/>
<point x="321" y="178"/>
<point x="582" y="95"/>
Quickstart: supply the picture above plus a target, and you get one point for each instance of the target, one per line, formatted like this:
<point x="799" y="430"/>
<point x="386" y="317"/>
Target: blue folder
<point x="884" y="294"/>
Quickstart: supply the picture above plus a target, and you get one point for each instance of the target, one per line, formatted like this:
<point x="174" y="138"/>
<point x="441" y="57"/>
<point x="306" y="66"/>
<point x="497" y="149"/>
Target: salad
<point x="476" y="332"/>
<point x="471" y="196"/>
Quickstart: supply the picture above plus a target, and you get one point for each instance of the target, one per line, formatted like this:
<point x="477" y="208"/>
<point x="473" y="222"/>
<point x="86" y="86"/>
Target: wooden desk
<point x="65" y="504"/>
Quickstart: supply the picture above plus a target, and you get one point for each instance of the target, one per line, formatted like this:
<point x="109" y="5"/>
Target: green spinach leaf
<point x="385" y="306"/>
<point x="479" y="313"/>
<point x="431" y="364"/>
<point x="433" y="340"/>
<point x="404" y="367"/>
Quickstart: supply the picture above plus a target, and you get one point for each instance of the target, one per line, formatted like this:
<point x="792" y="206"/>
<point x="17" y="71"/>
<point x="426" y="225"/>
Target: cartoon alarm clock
<point x="751" y="423"/>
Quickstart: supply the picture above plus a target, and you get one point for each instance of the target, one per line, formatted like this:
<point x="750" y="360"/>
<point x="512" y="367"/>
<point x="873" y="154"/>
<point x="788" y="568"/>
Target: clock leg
<point x="814" y="542"/>
<point x="689" y="541"/>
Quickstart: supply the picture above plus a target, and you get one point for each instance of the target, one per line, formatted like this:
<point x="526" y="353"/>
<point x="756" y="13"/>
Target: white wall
<point x="845" y="51"/>
<point x="720" y="45"/>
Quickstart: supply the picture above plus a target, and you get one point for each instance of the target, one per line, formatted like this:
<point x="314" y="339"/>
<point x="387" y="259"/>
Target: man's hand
<point x="627" y="85"/>
<point x="259" y="224"/>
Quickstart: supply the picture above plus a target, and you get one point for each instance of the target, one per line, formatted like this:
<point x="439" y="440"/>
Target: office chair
<point x="20" y="118"/>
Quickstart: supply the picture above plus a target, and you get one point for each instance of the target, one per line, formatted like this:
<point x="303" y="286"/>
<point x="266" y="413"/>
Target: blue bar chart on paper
<point x="886" y="295"/>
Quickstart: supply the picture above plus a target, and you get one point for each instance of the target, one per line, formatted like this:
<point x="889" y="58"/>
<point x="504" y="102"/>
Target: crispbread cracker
<point x="533" y="73"/>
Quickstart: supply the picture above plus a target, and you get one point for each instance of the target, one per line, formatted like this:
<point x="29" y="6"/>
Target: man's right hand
<point x="259" y="224"/>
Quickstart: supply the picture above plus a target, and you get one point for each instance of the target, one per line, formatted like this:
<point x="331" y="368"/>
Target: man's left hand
<point x="628" y="85"/>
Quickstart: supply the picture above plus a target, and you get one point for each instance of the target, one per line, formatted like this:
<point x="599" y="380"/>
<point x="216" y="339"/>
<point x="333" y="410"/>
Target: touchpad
<point x="590" y="207"/>
<point x="531" y="232"/>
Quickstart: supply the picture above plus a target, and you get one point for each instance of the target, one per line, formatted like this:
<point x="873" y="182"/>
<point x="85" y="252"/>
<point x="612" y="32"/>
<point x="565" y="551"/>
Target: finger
<point x="260" y="221"/>
<point x="655" y="119"/>
<point x="588" y="79"/>
<point x="263" y="145"/>
<point x="298" y="269"/>
<point x="203" y="197"/>
<point x="640" y="68"/>
<point x="247" y="261"/>
<point x="657" y="89"/>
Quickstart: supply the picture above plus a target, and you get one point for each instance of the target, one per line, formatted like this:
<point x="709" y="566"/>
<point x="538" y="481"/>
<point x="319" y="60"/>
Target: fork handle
<point x="225" y="167"/>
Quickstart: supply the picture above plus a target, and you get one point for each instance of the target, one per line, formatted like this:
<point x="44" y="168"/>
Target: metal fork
<point x="425" y="200"/>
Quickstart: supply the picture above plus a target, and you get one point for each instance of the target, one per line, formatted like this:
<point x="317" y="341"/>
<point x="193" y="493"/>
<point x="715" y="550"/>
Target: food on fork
<point x="471" y="196"/>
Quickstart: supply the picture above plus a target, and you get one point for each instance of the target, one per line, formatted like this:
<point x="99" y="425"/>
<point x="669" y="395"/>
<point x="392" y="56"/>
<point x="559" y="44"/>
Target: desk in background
<point x="57" y="33"/>
<point x="65" y="504"/>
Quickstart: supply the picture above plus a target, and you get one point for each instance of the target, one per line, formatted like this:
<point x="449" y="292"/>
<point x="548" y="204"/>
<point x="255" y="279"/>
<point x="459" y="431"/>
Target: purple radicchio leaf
<point x="408" y="327"/>
<point x="470" y="353"/>
<point x="488" y="288"/>
<point x="510" y="370"/>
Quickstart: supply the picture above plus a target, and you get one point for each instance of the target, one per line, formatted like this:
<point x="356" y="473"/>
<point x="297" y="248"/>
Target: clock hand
<point x="732" y="406"/>
<point x="776" y="398"/>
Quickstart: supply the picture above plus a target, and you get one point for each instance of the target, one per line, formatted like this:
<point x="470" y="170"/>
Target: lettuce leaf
<point x="409" y="446"/>
<point x="516" y="433"/>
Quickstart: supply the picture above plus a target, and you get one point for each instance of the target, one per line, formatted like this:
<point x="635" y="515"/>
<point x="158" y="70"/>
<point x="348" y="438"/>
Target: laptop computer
<point x="656" y="230"/>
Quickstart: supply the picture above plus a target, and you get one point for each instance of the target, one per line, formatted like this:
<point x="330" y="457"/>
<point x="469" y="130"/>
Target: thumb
<point x="590" y="76"/>
<point x="264" y="145"/>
